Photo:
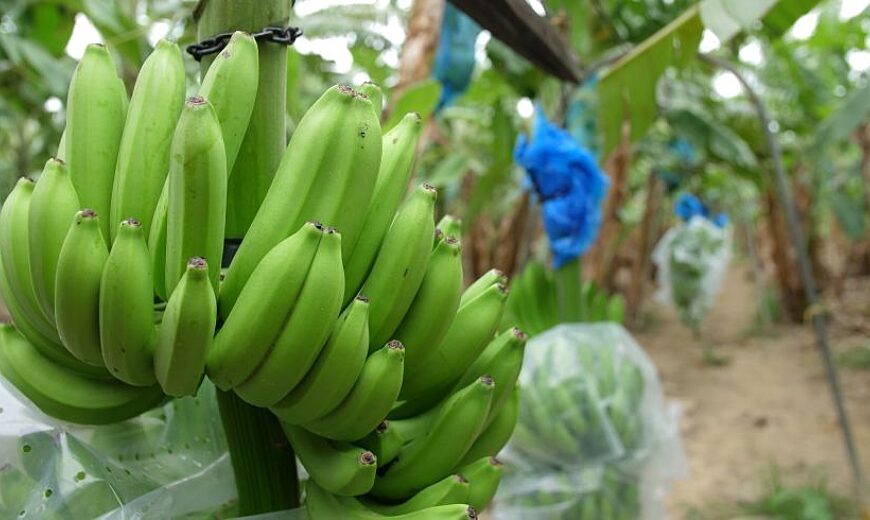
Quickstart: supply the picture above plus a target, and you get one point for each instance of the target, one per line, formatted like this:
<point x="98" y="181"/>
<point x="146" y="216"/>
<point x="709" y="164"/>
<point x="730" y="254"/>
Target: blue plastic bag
<point x="570" y="184"/>
<point x="454" y="59"/>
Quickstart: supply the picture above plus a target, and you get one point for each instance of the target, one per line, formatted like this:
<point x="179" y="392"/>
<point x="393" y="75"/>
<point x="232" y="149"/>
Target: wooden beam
<point x="530" y="35"/>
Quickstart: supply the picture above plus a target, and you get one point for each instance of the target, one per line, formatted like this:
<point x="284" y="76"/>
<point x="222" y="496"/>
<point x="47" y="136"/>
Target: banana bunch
<point x="366" y="347"/>
<point x="533" y="301"/>
<point x="617" y="496"/>
<point x="342" y="311"/>
<point x="132" y="212"/>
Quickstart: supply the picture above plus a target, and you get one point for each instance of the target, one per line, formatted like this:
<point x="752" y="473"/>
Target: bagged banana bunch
<point x="594" y="440"/>
<point x="692" y="260"/>
<point x="342" y="311"/>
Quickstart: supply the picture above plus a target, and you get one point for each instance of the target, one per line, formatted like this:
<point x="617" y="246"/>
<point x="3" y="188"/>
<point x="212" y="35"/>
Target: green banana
<point x="451" y="226"/>
<point x="186" y="332"/>
<point x="14" y="249"/>
<point x="370" y="399"/>
<point x="52" y="207"/>
<point x="497" y="433"/>
<point x="65" y="394"/>
<point x="453" y="489"/>
<point x="483" y="476"/>
<point x="434" y="306"/>
<point x="267" y="299"/>
<point x="327" y="142"/>
<point x="126" y="308"/>
<point x="546" y="304"/>
<point x="384" y="441"/>
<point x="521" y="305"/>
<point x="334" y="372"/>
<point x="77" y="288"/>
<point x="197" y="193"/>
<point x="143" y="155"/>
<point x="96" y="110"/>
<point x="322" y="505"/>
<point x="308" y="327"/>
<point x="230" y="85"/>
<point x="375" y="95"/>
<point x="486" y="280"/>
<point x="429" y="458"/>
<point x="537" y="298"/>
<point x="397" y="164"/>
<point x="49" y="348"/>
<point x="468" y="335"/>
<point x="401" y="264"/>
<point x="340" y="468"/>
<point x="157" y="242"/>
<point x="502" y="359"/>
<point x="341" y="198"/>
<point x="61" y="147"/>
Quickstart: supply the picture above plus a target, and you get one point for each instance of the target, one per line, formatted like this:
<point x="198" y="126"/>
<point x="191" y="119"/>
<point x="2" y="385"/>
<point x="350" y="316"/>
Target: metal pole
<point x="806" y="273"/>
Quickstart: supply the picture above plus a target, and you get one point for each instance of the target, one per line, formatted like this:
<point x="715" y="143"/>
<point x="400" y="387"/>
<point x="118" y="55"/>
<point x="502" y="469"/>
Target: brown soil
<point x="769" y="407"/>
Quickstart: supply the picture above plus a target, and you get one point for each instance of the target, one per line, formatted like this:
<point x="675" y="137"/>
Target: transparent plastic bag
<point x="595" y="440"/>
<point x="171" y="462"/>
<point x="692" y="259"/>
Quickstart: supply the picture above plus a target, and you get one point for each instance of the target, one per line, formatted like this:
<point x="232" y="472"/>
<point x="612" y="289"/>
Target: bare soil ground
<point x="770" y="406"/>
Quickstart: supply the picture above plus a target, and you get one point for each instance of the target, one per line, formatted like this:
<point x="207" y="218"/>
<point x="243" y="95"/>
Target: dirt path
<point x="770" y="406"/>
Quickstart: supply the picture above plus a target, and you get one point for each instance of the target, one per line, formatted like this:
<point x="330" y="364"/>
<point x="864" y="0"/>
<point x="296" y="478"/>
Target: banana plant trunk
<point x="264" y="464"/>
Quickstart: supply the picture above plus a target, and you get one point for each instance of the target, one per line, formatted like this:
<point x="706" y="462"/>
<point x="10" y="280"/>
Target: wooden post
<point x="515" y="23"/>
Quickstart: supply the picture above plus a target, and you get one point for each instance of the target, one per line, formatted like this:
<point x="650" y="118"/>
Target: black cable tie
<point x="215" y="44"/>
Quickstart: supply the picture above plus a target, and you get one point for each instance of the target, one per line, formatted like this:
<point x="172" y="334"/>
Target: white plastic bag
<point x="692" y="260"/>
<point x="595" y="440"/>
<point x="168" y="463"/>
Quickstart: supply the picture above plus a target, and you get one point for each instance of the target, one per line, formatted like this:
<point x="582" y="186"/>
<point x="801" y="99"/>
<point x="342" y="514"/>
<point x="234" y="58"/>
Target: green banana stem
<point x="569" y="292"/>
<point x="263" y="461"/>
<point x="266" y="138"/>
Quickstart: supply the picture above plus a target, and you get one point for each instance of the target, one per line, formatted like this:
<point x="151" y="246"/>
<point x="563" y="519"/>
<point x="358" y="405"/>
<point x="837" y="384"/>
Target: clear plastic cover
<point x="595" y="439"/>
<point x="692" y="259"/>
<point x="171" y="462"/>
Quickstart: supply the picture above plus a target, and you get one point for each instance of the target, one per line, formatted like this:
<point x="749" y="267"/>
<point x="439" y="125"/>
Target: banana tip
<point x="131" y="222"/>
<point x="487" y="380"/>
<point x="382" y="427"/>
<point x="395" y="345"/>
<point x="472" y="513"/>
<point x="520" y="335"/>
<point x="197" y="263"/>
<point x="196" y="101"/>
<point x="361" y="298"/>
<point x="347" y="90"/>
<point x="367" y="458"/>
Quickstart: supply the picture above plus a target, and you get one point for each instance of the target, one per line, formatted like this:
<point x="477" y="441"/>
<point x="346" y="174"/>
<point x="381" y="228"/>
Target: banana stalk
<point x="263" y="461"/>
